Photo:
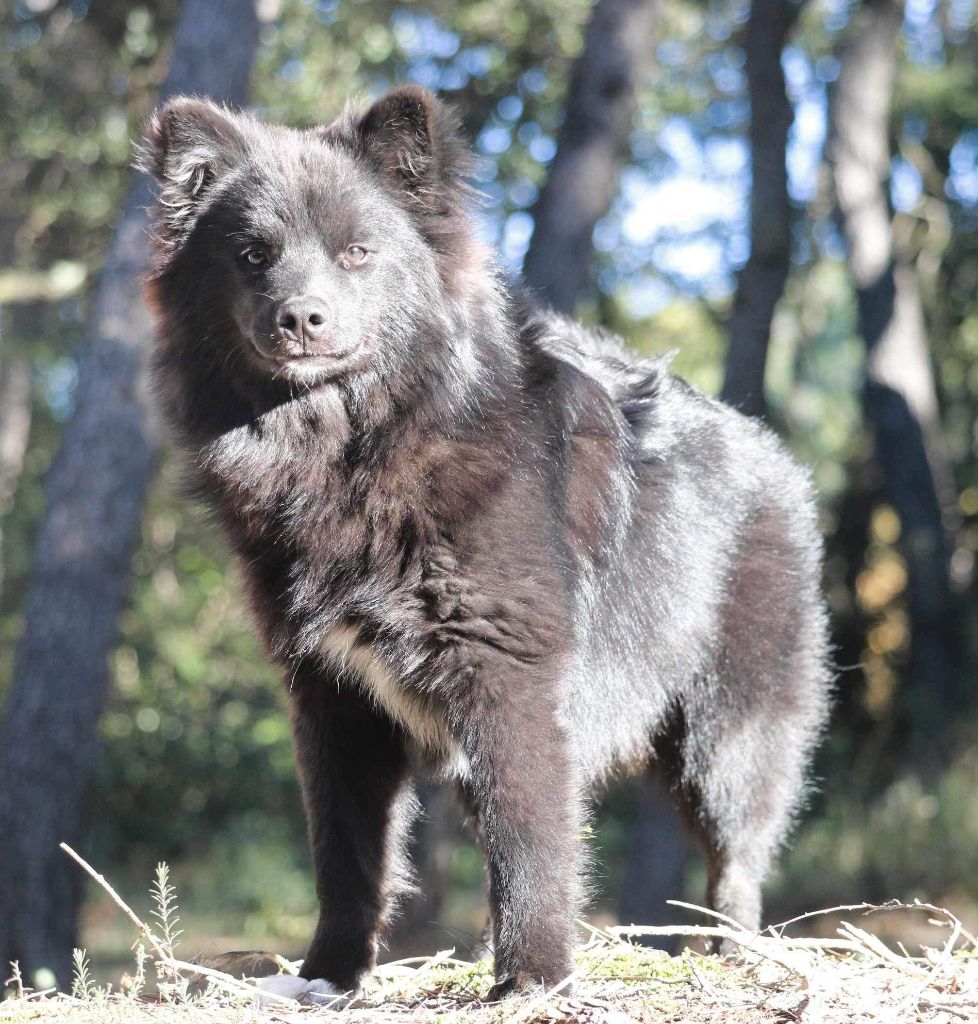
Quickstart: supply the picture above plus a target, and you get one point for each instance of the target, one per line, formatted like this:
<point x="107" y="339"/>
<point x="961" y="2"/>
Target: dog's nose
<point x="303" y="319"/>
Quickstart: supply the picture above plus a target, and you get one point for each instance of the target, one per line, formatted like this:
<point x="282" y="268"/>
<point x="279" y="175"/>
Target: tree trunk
<point x="15" y="426"/>
<point x="80" y="576"/>
<point x="899" y="395"/>
<point x="433" y="842"/>
<point x="656" y="860"/>
<point x="591" y="144"/>
<point x="761" y="282"/>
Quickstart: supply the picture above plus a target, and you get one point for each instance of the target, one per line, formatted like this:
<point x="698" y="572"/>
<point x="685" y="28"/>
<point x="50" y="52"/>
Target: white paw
<point x="318" y="991"/>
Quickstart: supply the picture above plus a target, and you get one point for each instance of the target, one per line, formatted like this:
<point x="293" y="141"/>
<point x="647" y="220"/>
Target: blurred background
<point x="783" y="193"/>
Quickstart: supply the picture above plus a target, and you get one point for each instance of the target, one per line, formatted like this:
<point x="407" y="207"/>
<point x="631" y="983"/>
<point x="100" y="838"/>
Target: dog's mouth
<point x="310" y="365"/>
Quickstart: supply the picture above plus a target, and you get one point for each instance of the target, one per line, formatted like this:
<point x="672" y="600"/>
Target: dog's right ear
<point x="189" y="144"/>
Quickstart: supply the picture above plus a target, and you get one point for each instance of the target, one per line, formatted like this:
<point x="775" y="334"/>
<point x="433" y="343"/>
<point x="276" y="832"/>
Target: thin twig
<point x="118" y="900"/>
<point x="748" y="940"/>
<point x="226" y="980"/>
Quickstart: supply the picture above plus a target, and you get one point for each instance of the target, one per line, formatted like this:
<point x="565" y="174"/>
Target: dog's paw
<point x="514" y="988"/>
<point x="318" y="991"/>
<point x="525" y="983"/>
<point x="321" y="992"/>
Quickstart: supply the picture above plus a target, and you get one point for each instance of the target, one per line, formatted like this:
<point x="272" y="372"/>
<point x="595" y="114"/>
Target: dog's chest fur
<point x="360" y="665"/>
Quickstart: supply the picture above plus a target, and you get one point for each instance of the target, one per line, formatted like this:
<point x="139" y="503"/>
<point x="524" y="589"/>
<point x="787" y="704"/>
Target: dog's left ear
<point x="412" y="138"/>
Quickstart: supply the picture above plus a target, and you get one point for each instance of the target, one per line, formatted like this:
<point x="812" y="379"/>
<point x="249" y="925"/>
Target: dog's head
<point x="307" y="256"/>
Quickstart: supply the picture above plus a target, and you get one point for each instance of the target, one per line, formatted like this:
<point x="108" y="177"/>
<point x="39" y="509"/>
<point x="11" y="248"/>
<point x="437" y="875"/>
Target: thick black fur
<point x="473" y="533"/>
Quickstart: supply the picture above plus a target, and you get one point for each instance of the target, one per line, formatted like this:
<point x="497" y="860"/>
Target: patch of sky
<point x="487" y="170"/>
<point x="642" y="145"/>
<point x="728" y="75"/>
<point x="806" y="138"/>
<point x="493" y="192"/>
<point x="453" y="78"/>
<point x="696" y="265"/>
<point x="837" y="14"/>
<point x="686" y="214"/>
<point x="727" y="114"/>
<point x="922" y="31"/>
<point x="516" y="234"/>
<point x="543" y="149"/>
<point x="24" y="9"/>
<point x="915" y="129"/>
<point x="677" y="140"/>
<point x="494" y="140"/>
<point x="510" y="108"/>
<point x="327" y="11"/>
<point x="680" y="203"/>
<point x="829" y="239"/>
<point x="796" y="68"/>
<point x="57" y="383"/>
<point x="528" y="131"/>
<point x="960" y="14"/>
<point x="726" y="155"/>
<point x="906" y="185"/>
<point x="827" y="68"/>
<point x="476" y="60"/>
<point x="962" y="184"/>
<point x="533" y="81"/>
<point x="806" y="141"/>
<point x="607" y="235"/>
<point x="801" y="246"/>
<point x="671" y="53"/>
<point x="738" y="249"/>
<point x="291" y="70"/>
<point x="718" y="29"/>
<point x="522" y="193"/>
<point x="422" y="36"/>
<point x="426" y="73"/>
<point x="644" y="296"/>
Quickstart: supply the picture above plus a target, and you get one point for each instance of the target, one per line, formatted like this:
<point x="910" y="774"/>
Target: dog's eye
<point x="355" y="254"/>
<point x="256" y="257"/>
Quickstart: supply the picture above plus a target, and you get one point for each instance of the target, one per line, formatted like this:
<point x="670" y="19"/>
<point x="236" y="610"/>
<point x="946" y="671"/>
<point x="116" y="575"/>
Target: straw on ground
<point x="774" y="976"/>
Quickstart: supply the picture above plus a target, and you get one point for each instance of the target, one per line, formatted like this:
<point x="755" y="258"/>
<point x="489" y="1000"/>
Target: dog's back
<point x="703" y="648"/>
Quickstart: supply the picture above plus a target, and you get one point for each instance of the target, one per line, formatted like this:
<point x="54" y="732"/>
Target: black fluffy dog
<point x="472" y="533"/>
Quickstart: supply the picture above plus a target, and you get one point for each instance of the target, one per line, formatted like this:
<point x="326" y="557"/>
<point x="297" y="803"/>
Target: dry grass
<point x="772" y="977"/>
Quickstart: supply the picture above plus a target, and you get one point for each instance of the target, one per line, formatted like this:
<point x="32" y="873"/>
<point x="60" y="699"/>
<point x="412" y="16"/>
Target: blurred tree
<point x="80" y="575"/>
<point x="591" y="146"/>
<point x="899" y="393"/>
<point x="760" y="284"/>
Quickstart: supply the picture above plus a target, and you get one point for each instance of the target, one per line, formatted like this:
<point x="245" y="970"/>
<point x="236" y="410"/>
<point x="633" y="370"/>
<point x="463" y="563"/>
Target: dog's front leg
<point x="524" y="789"/>
<point x="354" y="771"/>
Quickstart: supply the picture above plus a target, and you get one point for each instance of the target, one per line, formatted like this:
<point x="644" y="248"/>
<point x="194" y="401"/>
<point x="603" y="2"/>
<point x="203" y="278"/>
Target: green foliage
<point x="195" y="725"/>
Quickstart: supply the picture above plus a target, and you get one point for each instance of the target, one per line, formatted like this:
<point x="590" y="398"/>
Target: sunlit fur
<point x="489" y="542"/>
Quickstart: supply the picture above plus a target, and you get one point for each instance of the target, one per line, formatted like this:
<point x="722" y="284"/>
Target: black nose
<point x="302" y="319"/>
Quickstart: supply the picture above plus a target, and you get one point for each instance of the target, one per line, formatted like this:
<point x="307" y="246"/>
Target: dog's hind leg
<point x="745" y="730"/>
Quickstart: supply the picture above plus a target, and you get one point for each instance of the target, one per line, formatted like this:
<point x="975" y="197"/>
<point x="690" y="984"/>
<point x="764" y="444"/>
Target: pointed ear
<point x="189" y="144"/>
<point x="412" y="138"/>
